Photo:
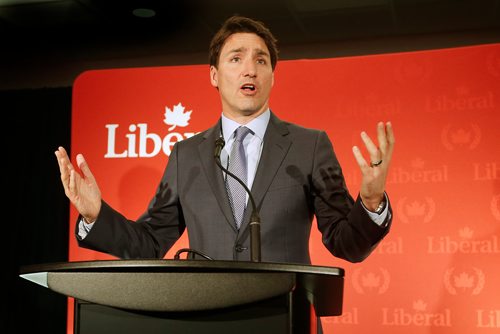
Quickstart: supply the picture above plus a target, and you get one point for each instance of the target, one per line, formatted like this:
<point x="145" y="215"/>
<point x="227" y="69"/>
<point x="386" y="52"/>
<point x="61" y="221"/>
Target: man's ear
<point x="213" y="76"/>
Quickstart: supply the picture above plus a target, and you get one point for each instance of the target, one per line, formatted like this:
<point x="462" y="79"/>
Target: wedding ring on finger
<point x="375" y="164"/>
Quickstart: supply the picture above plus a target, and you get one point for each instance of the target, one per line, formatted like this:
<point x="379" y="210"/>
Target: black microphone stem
<point x="255" y="255"/>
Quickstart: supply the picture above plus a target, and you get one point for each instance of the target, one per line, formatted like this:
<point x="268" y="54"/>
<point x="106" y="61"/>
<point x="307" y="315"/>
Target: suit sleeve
<point x="152" y="235"/>
<point x="347" y="230"/>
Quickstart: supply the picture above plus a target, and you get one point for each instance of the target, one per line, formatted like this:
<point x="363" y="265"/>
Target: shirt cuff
<point x="379" y="218"/>
<point x="84" y="228"/>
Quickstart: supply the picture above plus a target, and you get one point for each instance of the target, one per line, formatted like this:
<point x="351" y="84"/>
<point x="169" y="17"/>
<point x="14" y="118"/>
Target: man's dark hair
<point x="239" y="24"/>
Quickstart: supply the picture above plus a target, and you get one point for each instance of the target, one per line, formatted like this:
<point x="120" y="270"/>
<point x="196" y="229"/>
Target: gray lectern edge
<point x="189" y="285"/>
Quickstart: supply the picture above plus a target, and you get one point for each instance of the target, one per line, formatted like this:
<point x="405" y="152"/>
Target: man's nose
<point x="250" y="69"/>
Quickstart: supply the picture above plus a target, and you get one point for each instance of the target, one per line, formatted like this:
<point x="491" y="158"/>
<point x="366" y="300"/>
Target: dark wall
<point x="36" y="229"/>
<point x="58" y="65"/>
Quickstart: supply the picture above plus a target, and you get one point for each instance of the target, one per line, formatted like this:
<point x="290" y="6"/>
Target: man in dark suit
<point x="292" y="172"/>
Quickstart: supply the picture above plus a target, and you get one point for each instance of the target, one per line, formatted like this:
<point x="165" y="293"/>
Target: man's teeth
<point x="251" y="87"/>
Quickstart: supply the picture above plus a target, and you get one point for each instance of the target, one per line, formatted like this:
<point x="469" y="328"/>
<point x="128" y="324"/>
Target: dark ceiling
<point x="72" y="32"/>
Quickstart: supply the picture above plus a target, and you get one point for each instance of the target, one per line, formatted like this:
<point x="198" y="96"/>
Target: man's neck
<point x="243" y="118"/>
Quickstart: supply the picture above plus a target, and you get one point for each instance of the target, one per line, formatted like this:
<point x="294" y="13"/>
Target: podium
<point x="192" y="296"/>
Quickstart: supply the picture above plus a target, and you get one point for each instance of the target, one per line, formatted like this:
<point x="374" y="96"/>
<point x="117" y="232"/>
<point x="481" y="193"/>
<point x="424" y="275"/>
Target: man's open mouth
<point x="248" y="87"/>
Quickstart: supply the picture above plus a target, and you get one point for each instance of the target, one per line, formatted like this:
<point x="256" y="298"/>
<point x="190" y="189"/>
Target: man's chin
<point x="252" y="110"/>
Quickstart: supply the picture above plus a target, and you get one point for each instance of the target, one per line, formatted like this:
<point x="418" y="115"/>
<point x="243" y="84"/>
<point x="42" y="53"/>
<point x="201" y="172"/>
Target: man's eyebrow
<point x="259" y="52"/>
<point x="236" y="50"/>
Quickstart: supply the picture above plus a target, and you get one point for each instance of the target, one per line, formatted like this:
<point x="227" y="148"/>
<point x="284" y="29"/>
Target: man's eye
<point x="261" y="61"/>
<point x="235" y="59"/>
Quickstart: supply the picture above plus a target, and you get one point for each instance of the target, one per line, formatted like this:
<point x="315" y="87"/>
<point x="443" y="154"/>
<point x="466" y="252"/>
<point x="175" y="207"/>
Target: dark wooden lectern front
<point x="193" y="296"/>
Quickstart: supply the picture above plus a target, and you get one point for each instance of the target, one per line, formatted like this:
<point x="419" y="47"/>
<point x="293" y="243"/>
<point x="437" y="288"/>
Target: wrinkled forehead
<point x="245" y="43"/>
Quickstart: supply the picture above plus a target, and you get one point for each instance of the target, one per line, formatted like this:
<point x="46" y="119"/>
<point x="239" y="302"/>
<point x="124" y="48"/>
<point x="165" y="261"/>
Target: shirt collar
<point x="258" y="125"/>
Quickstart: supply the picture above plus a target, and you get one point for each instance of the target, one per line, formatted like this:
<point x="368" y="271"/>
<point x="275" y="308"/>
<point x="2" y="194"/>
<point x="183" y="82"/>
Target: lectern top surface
<point x="162" y="265"/>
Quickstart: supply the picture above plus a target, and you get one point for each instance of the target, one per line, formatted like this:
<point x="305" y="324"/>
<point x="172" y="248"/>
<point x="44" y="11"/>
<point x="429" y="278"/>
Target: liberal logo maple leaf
<point x="177" y="117"/>
<point x="464" y="280"/>
<point x="371" y="280"/>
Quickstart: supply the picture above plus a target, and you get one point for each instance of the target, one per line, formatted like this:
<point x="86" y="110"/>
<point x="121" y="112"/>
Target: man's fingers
<point x="68" y="172"/>
<point x="371" y="147"/>
<point x="84" y="167"/>
<point x="61" y="155"/>
<point x="382" y="137"/>
<point x="389" y="141"/>
<point x="72" y="183"/>
<point x="80" y="162"/>
<point x="359" y="157"/>
<point x="58" y="156"/>
<point x="64" y="166"/>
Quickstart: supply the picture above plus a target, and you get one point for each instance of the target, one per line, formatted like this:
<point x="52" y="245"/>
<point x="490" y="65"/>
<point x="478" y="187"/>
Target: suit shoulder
<point x="193" y="140"/>
<point x="300" y="130"/>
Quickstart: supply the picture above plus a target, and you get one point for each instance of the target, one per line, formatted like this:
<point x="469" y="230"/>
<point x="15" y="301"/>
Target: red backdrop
<point x="438" y="270"/>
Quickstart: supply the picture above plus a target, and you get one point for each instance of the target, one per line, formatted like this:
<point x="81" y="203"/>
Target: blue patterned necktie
<point x="238" y="166"/>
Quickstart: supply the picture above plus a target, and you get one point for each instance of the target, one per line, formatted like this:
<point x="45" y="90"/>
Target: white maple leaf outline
<point x="177" y="117"/>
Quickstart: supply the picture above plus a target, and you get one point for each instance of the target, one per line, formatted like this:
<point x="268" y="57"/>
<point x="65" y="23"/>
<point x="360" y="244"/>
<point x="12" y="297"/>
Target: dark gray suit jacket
<point x="298" y="177"/>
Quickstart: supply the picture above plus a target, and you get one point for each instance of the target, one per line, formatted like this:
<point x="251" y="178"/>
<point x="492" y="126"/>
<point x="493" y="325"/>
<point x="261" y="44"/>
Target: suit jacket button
<point x="240" y="248"/>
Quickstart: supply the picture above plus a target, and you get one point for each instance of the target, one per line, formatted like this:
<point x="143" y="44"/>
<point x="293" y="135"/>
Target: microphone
<point x="254" y="218"/>
<point x="191" y="254"/>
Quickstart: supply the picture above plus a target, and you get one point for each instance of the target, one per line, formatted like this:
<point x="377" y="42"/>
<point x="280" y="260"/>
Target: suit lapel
<point x="214" y="174"/>
<point x="276" y="145"/>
